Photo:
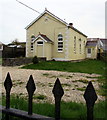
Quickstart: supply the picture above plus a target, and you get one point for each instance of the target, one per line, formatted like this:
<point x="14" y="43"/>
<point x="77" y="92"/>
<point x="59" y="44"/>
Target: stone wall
<point x="16" y="61"/>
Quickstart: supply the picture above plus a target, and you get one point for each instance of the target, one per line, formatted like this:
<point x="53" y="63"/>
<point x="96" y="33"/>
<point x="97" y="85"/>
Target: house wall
<point x="44" y="50"/>
<point x="48" y="28"/>
<point x="48" y="51"/>
<point x="51" y="28"/>
<point x="77" y="54"/>
<point x="93" y="52"/>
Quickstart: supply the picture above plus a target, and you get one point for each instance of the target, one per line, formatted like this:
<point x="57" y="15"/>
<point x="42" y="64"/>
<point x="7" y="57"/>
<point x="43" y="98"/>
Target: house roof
<point x="91" y="43"/>
<point x="1" y="43"/>
<point x="93" y="39"/>
<point x="104" y="41"/>
<point x="57" y="18"/>
<point x="44" y="37"/>
<point x="17" y="44"/>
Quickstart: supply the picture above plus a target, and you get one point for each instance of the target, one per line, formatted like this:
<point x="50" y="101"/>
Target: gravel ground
<point x="72" y="83"/>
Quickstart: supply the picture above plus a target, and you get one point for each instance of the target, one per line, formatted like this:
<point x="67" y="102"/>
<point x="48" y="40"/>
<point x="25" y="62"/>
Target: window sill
<point x="60" y="51"/>
<point x="39" y="44"/>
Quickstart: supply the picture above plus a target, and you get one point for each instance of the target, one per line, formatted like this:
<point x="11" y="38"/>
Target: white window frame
<point x="40" y="41"/>
<point x="60" y="41"/>
<point x="88" y="51"/>
<point x="31" y="46"/>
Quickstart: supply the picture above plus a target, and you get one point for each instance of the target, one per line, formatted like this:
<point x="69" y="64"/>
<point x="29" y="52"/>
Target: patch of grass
<point x="17" y="82"/>
<point x="46" y="74"/>
<point x="91" y="77"/>
<point x="69" y="110"/>
<point x="40" y="84"/>
<point x="70" y="76"/>
<point x="103" y="85"/>
<point x="76" y="85"/>
<point x="88" y="66"/>
<point x="40" y="97"/>
<point x="81" y="89"/>
<point x="53" y="76"/>
<point x="66" y="89"/>
<point x="65" y="85"/>
<point x="83" y="81"/>
<point x="50" y="84"/>
<point x="74" y="81"/>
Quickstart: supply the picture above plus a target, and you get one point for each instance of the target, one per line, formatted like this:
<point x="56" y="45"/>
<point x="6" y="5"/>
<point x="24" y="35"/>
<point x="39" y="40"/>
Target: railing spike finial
<point x="30" y="85"/>
<point x="90" y="97"/>
<point x="30" y="89"/>
<point x="58" y="93"/>
<point x="8" y="85"/>
<point x="58" y="90"/>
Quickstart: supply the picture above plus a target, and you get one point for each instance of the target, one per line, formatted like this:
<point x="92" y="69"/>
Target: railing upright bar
<point x="8" y="86"/>
<point x="90" y="97"/>
<point x="58" y="93"/>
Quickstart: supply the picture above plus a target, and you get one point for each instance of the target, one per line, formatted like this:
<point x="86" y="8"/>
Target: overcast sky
<point x="88" y="16"/>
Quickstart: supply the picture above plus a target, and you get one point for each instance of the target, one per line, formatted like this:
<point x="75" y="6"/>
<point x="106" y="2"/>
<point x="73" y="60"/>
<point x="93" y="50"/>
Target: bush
<point x="35" y="60"/>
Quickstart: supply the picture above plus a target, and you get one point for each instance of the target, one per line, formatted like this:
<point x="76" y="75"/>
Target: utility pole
<point x="106" y="19"/>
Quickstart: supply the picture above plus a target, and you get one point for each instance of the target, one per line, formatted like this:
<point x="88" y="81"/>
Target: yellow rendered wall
<point x="48" y="51"/>
<point x="77" y="55"/>
<point x="52" y="28"/>
<point x="93" y="52"/>
<point x="48" y="28"/>
<point x="45" y="50"/>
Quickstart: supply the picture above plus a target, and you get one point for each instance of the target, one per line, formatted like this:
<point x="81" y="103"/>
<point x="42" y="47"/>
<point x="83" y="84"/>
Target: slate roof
<point x="44" y="37"/>
<point x="93" y="39"/>
<point x="1" y="43"/>
<point x="104" y="41"/>
<point x="91" y="43"/>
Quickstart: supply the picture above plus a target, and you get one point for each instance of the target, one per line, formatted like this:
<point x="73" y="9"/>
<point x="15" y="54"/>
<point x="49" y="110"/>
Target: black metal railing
<point x="90" y="97"/>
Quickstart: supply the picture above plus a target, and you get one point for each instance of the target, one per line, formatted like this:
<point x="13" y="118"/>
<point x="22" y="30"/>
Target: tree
<point x="15" y="41"/>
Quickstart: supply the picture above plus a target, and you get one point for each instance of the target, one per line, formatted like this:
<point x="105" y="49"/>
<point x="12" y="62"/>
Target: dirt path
<point x="73" y="83"/>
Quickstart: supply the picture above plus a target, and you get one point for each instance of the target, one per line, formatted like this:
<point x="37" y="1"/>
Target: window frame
<point x="1" y="47"/>
<point x="89" y="52"/>
<point x="39" y="42"/>
<point x="60" y="43"/>
<point x="75" y="44"/>
<point x="31" y="46"/>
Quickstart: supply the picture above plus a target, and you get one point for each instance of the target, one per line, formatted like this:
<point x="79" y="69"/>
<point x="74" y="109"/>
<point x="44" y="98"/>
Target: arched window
<point x="32" y="39"/>
<point x="60" y="43"/>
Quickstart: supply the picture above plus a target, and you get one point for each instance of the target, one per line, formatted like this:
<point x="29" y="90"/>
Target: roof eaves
<point x="35" y="20"/>
<point x="78" y="31"/>
<point x="56" y="17"/>
<point x="39" y="36"/>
